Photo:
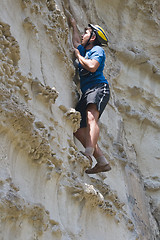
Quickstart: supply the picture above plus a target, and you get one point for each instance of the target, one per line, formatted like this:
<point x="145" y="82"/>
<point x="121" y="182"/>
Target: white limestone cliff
<point x="44" y="191"/>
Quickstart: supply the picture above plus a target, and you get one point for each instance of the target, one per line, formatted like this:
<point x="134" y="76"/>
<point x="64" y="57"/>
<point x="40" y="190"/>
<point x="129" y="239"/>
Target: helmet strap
<point x="88" y="42"/>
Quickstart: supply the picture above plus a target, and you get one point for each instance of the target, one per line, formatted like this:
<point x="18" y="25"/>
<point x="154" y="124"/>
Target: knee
<point x="79" y="133"/>
<point x="92" y="113"/>
<point x="90" y="117"/>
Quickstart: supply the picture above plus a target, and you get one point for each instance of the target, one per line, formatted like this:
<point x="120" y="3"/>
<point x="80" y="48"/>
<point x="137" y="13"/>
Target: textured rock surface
<point x="44" y="192"/>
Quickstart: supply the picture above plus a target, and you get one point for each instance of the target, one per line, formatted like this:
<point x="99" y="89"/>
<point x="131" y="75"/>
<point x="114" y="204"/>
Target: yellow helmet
<point x="101" y="35"/>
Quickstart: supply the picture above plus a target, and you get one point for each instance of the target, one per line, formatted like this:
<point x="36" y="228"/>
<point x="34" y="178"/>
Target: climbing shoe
<point x="98" y="168"/>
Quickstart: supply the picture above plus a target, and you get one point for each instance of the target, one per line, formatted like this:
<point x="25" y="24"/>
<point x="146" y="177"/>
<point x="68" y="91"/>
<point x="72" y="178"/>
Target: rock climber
<point x="94" y="88"/>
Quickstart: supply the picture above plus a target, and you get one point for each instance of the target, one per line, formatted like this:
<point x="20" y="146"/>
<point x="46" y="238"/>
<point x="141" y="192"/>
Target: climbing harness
<point x="84" y="73"/>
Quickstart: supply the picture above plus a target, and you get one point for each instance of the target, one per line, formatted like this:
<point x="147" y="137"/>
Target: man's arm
<point x="90" y="65"/>
<point x="75" y="38"/>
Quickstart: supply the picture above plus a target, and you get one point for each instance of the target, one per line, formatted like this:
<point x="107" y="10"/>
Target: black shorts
<point x="99" y="95"/>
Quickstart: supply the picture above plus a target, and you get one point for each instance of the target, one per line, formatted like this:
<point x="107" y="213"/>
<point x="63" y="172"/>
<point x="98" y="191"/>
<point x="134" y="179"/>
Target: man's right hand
<point x="75" y="38"/>
<point x="72" y="22"/>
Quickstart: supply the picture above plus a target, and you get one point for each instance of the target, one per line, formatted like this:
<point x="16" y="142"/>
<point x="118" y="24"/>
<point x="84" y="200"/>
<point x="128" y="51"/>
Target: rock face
<point x="44" y="191"/>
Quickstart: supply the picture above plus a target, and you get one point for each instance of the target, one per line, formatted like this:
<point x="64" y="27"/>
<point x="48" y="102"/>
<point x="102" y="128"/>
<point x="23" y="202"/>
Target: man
<point x="95" y="91"/>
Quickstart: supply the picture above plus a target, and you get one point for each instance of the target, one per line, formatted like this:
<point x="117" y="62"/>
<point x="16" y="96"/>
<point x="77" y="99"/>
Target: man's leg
<point x="92" y="130"/>
<point x="81" y="136"/>
<point x="92" y="135"/>
<point x="103" y="165"/>
<point x="88" y="136"/>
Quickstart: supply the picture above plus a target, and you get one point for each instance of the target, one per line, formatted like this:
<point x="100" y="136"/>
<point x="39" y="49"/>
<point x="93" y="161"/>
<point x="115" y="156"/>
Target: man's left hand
<point x="77" y="53"/>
